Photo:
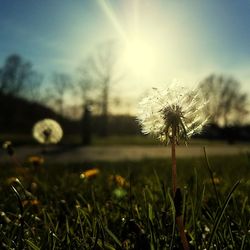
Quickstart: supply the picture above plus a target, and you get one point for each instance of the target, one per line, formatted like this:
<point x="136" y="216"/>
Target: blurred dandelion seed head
<point x="174" y="109"/>
<point x="47" y="131"/>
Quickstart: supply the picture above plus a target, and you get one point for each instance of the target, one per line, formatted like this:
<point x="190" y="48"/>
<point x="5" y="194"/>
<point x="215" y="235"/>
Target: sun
<point x="139" y="56"/>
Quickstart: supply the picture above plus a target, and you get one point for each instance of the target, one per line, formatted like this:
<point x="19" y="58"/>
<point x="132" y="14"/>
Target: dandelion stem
<point x="173" y="154"/>
<point x="179" y="219"/>
<point x="179" y="222"/>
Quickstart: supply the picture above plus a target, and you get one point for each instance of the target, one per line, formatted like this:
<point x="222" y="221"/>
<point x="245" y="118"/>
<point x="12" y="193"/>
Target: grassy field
<point x="22" y="139"/>
<point x="126" y="205"/>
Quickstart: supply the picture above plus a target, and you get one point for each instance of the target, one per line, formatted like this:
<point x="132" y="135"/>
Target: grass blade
<point x="173" y="214"/>
<point x="221" y="213"/>
<point x="111" y="234"/>
<point x="32" y="245"/>
<point x="211" y="176"/>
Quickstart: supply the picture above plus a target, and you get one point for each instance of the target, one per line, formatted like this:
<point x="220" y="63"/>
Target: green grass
<point x="142" y="140"/>
<point x="97" y="213"/>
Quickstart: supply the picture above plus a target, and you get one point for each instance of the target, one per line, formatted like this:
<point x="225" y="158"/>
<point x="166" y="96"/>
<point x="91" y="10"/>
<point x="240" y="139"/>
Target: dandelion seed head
<point x="47" y="131"/>
<point x="172" y="110"/>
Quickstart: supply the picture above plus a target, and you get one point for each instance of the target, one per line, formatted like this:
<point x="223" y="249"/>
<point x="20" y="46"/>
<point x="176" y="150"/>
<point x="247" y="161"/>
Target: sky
<point x="159" y="40"/>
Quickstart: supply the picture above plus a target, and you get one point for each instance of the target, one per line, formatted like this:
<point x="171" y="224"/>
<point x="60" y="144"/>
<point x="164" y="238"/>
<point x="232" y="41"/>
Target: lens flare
<point x="139" y="56"/>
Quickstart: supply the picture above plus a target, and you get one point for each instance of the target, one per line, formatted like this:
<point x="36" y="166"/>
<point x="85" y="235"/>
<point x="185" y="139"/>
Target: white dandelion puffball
<point x="47" y="131"/>
<point x="174" y="110"/>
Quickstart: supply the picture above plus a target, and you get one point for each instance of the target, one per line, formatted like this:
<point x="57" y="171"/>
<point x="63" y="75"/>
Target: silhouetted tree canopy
<point x="17" y="76"/>
<point x="85" y="84"/>
<point x="227" y="104"/>
<point x="59" y="87"/>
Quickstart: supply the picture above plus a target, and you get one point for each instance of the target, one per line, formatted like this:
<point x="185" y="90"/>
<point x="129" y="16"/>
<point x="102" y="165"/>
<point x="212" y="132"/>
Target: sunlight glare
<point x="139" y="56"/>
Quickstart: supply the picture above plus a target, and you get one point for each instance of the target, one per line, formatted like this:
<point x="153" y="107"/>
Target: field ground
<point x="122" y="152"/>
<point x="127" y="203"/>
<point x="53" y="208"/>
<point x="138" y="140"/>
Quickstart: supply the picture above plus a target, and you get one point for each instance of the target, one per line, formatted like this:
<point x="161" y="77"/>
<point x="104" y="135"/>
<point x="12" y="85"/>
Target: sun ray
<point x="111" y="15"/>
<point x="138" y="49"/>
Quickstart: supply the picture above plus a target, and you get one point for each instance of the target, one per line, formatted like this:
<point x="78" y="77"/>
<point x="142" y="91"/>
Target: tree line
<point x="227" y="106"/>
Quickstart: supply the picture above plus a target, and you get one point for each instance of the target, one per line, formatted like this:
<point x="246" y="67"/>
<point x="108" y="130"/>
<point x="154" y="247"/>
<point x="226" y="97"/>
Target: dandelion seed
<point x="47" y="131"/>
<point x="175" y="110"/>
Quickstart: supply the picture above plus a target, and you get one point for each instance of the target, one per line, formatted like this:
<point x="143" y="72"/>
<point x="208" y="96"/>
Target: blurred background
<point x="87" y="64"/>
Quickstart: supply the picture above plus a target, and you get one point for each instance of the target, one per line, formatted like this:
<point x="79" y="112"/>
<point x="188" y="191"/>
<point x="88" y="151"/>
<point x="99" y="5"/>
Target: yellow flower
<point x="36" y="160"/>
<point x="32" y="202"/>
<point x="89" y="173"/>
<point x="215" y="180"/>
<point x="118" y="180"/>
<point x="47" y="131"/>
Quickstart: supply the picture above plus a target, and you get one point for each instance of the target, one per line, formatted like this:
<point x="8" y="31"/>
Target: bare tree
<point x="227" y="104"/>
<point x="103" y="74"/>
<point x="96" y="76"/>
<point x="85" y="84"/>
<point x="18" y="78"/>
<point x="85" y="88"/>
<point x="60" y="85"/>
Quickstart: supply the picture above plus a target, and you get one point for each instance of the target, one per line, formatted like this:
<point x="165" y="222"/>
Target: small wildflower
<point x="36" y="160"/>
<point x="7" y="145"/>
<point x="215" y="180"/>
<point x="119" y="192"/>
<point x="32" y="202"/>
<point x="175" y="110"/>
<point x="118" y="180"/>
<point x="89" y="173"/>
<point x="47" y="131"/>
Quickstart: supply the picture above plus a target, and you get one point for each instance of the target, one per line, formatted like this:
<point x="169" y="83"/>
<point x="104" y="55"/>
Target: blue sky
<point x="189" y="38"/>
